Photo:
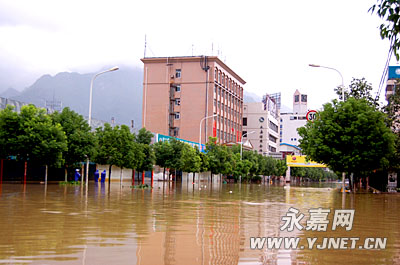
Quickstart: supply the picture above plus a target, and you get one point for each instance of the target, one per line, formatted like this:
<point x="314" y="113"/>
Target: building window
<point x="296" y="98"/>
<point x="178" y="73"/>
<point x="244" y="134"/>
<point x="260" y="141"/>
<point x="178" y="88"/>
<point x="177" y="115"/>
<point x="303" y="98"/>
<point x="176" y="132"/>
<point x="273" y="126"/>
<point x="272" y="138"/>
<point x="178" y="102"/>
<point x="244" y="121"/>
<point x="293" y="117"/>
<point x="261" y="136"/>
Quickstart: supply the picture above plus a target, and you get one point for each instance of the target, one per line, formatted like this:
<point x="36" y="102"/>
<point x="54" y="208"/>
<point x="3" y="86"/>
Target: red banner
<point x="215" y="129"/>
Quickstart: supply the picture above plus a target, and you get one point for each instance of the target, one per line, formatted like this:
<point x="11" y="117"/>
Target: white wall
<point x="116" y="172"/>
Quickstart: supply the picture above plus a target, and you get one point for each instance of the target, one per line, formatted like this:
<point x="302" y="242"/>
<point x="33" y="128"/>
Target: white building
<point x="289" y="122"/>
<point x="261" y="126"/>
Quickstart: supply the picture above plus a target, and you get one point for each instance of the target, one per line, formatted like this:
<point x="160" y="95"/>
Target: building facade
<point x="289" y="122"/>
<point x="180" y="92"/>
<point x="261" y="126"/>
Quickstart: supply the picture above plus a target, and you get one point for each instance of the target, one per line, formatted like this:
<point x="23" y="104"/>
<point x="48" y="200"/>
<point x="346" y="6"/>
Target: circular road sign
<point x="311" y="115"/>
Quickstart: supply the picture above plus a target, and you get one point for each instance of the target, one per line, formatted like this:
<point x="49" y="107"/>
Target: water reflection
<point x="182" y="223"/>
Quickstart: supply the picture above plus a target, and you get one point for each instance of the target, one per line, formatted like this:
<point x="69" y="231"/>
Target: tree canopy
<point x="31" y="135"/>
<point x="80" y="140"/>
<point x="349" y="137"/>
<point x="389" y="11"/>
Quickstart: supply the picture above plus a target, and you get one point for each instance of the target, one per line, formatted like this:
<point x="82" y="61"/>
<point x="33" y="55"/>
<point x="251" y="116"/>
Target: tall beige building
<point x="178" y="92"/>
<point x="261" y="126"/>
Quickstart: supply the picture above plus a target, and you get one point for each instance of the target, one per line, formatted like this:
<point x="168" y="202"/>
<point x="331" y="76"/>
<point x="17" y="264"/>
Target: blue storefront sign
<point x="394" y="72"/>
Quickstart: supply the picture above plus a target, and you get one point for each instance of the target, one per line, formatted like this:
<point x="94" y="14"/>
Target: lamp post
<point x="115" y="68"/>
<point x="341" y="76"/>
<point x="241" y="150"/>
<point x="200" y="128"/>
<point x="241" y="142"/>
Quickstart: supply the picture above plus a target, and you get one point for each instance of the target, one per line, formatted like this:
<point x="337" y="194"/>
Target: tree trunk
<point x="25" y="169"/>
<point x="66" y="173"/>
<point x="1" y="171"/>
<point x="164" y="175"/>
<point x="45" y="174"/>
<point x="350" y="183"/>
<point x="109" y="176"/>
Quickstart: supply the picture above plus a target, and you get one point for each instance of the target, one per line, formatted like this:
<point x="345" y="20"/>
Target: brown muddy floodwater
<point x="181" y="224"/>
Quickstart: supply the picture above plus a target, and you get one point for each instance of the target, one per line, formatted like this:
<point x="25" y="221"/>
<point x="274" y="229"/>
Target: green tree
<point x="176" y="161"/>
<point x="280" y="167"/>
<point x="191" y="159"/>
<point x="144" y="136"/>
<point x="219" y="158"/>
<point x="163" y="154"/>
<point x="81" y="141"/>
<point x="389" y="10"/>
<point x="358" y="89"/>
<point x="117" y="146"/>
<point x="31" y="135"/>
<point x="349" y="137"/>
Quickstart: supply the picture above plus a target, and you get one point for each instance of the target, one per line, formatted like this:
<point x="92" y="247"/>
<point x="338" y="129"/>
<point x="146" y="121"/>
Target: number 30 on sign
<point x="312" y="115"/>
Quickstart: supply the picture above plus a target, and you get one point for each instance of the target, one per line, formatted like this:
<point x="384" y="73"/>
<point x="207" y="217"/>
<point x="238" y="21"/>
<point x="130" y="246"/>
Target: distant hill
<point x="116" y="94"/>
<point x="9" y="93"/>
<point x="251" y="97"/>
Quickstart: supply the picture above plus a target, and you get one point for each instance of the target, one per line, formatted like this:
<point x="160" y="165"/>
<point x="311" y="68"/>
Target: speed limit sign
<point x="311" y="115"/>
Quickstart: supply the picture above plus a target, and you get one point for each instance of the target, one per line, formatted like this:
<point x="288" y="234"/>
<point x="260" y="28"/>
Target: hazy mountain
<point x="9" y="93"/>
<point x="251" y="97"/>
<point x="116" y="94"/>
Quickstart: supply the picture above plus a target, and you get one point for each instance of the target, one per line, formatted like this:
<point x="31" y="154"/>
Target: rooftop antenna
<point x="145" y="44"/>
<point x="212" y="48"/>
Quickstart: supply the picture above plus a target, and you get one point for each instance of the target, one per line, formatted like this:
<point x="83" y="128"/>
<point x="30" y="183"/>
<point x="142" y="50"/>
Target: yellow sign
<point x="301" y="161"/>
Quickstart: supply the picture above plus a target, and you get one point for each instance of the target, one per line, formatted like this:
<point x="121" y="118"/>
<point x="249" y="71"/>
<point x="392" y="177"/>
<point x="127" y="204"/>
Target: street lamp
<point x="200" y="128"/>
<point x="241" y="142"/>
<point x="115" y="68"/>
<point x="341" y="76"/>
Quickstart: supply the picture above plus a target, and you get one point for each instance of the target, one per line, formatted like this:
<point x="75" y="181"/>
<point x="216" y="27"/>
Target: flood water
<point x="185" y="224"/>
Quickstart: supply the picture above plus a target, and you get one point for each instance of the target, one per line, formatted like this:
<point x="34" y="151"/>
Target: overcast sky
<point x="268" y="43"/>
